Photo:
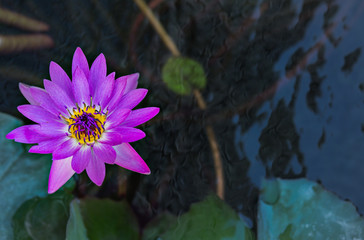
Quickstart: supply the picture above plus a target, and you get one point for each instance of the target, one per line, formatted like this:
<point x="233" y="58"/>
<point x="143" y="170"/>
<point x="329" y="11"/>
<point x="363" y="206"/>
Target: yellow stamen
<point x="86" y="124"/>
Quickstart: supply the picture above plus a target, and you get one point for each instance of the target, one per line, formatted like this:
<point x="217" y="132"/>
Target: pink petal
<point x="118" y="91"/>
<point x="128" y="158"/>
<point x="97" y="73"/>
<point x="105" y="153"/>
<point x="60" y="77"/>
<point x="26" y="134"/>
<point x="79" y="60"/>
<point x="66" y="149"/>
<point x="140" y="116"/>
<point x="36" y="113"/>
<point x="81" y="159"/>
<point x="131" y="82"/>
<point x="103" y="92"/>
<point x="58" y="95"/>
<point x="129" y="134"/>
<point x="61" y="172"/>
<point x="80" y="87"/>
<point x="116" y="118"/>
<point x="111" y="138"/>
<point x="25" y="90"/>
<point x="45" y="101"/>
<point x="53" y="129"/>
<point x="96" y="170"/>
<point x="46" y="147"/>
<point x="132" y="98"/>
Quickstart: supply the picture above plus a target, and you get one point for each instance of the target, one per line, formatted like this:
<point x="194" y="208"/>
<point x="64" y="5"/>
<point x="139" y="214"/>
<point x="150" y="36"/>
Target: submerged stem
<point x="158" y="27"/>
<point x="200" y="100"/>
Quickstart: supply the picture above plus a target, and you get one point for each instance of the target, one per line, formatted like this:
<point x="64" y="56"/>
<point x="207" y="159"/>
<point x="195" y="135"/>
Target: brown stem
<point x="158" y="27"/>
<point x="200" y="100"/>
<point x="214" y="148"/>
<point x="219" y="171"/>
<point x="26" y="42"/>
<point x="20" y="21"/>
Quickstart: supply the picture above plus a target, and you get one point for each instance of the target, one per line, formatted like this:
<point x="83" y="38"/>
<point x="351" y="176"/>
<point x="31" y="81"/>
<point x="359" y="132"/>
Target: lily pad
<point x="75" y="227"/>
<point x="42" y="218"/>
<point x="158" y="226"/>
<point x="305" y="210"/>
<point x="182" y="75"/>
<point x="102" y="219"/>
<point x="22" y="175"/>
<point x="19" y="219"/>
<point x="207" y="220"/>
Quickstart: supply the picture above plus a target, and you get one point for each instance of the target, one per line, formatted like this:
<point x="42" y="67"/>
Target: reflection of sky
<point x="339" y="163"/>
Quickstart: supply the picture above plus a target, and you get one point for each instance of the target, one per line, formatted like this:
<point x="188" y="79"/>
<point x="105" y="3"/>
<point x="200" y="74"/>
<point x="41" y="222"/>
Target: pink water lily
<point x="86" y="122"/>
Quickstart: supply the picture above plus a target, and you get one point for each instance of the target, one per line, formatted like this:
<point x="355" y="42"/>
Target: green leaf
<point x="103" y="219"/>
<point x="207" y="220"/>
<point x="42" y="218"/>
<point x="182" y="74"/>
<point x="305" y="210"/>
<point x="76" y="230"/>
<point x="158" y="226"/>
<point x="22" y="175"/>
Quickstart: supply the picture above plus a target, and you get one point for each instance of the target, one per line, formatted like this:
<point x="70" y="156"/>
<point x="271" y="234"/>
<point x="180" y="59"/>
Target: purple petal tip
<point x="10" y="135"/>
<point x="146" y="173"/>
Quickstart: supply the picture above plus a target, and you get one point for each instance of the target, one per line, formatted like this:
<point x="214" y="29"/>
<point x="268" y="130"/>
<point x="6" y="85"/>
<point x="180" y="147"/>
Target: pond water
<point x="284" y="93"/>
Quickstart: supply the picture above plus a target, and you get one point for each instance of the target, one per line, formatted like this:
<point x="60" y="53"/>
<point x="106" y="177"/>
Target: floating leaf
<point x="207" y="220"/>
<point x="22" y="175"/>
<point x="75" y="227"/>
<point x="19" y="218"/>
<point x="182" y="74"/>
<point x="305" y="210"/>
<point x="103" y="219"/>
<point x="42" y="218"/>
<point x="158" y="226"/>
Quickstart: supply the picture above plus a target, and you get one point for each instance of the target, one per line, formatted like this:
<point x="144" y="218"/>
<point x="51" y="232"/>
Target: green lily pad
<point x="158" y="226"/>
<point x="75" y="227"/>
<point x="102" y="219"/>
<point x="42" y="218"/>
<point x="207" y="220"/>
<point x="182" y="75"/>
<point x="22" y="175"/>
<point x="305" y="210"/>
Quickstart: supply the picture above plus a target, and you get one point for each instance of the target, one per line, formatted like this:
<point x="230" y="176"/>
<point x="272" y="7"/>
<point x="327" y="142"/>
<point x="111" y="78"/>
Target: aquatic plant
<point x="185" y="76"/>
<point x="86" y="122"/>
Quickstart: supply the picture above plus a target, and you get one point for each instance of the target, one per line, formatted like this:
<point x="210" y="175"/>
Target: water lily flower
<point x="86" y="122"/>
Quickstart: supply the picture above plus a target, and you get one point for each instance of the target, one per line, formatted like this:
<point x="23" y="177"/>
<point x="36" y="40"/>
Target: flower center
<point x="86" y="125"/>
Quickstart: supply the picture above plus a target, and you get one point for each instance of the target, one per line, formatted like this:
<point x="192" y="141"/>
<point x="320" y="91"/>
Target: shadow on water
<point x="285" y="91"/>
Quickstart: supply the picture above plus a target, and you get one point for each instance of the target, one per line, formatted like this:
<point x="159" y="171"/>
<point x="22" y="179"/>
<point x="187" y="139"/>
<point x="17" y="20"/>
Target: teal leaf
<point x="207" y="220"/>
<point x="103" y="219"/>
<point x="22" y="175"/>
<point x="42" y="218"/>
<point x="305" y="210"/>
<point x="19" y="218"/>
<point x="182" y="75"/>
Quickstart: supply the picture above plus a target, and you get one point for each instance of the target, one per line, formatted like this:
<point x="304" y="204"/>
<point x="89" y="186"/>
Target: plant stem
<point x="200" y="100"/>
<point x="214" y="148"/>
<point x="20" y="21"/>
<point x="158" y="27"/>
<point x="24" y="42"/>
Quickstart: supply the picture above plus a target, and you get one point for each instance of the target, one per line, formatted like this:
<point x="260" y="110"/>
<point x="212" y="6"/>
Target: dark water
<point x="285" y="91"/>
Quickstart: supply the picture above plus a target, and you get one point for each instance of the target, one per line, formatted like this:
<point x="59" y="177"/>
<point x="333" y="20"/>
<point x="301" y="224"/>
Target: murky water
<point x="285" y="91"/>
